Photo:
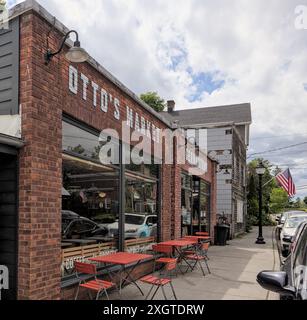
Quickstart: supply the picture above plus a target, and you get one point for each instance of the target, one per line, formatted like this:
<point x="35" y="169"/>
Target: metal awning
<point x="9" y="144"/>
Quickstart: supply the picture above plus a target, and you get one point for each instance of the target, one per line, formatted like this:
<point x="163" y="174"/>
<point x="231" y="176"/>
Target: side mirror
<point x="275" y="281"/>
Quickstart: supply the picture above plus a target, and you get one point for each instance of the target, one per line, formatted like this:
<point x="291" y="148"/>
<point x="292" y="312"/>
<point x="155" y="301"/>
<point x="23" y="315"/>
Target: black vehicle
<point x="291" y="281"/>
<point x="75" y="226"/>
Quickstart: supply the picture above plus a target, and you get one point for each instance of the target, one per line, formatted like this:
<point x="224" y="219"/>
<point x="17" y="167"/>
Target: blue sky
<point x="207" y="53"/>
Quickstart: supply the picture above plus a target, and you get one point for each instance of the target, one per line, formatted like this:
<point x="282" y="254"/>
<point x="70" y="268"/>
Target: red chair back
<point x="162" y="248"/>
<point x="202" y="234"/>
<point x="171" y="265"/>
<point x="86" y="268"/>
<point x="205" y="246"/>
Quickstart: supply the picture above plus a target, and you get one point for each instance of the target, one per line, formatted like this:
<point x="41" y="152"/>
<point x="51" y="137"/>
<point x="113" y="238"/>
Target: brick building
<point x="227" y="139"/>
<point x="58" y="202"/>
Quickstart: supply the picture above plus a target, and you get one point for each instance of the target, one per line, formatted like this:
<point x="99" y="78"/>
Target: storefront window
<point x="90" y="201"/>
<point x="186" y="203"/>
<point x="195" y="203"/>
<point x="204" y="219"/>
<point x="141" y="213"/>
<point x="90" y="194"/>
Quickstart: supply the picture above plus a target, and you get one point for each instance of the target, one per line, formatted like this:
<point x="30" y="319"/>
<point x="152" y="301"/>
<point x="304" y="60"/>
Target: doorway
<point x="9" y="221"/>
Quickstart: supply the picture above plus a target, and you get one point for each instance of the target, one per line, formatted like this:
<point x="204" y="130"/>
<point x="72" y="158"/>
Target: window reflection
<point x="186" y="203"/>
<point x="141" y="216"/>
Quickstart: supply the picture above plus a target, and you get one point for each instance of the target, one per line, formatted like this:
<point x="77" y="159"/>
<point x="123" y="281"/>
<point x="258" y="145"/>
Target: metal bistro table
<point x="123" y="259"/>
<point x="198" y="238"/>
<point x="178" y="245"/>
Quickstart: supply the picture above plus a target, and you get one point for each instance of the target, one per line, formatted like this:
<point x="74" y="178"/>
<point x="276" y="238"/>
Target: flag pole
<point x="268" y="181"/>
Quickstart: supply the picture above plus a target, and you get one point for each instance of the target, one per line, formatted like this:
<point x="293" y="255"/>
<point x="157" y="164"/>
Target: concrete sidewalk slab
<point x="233" y="273"/>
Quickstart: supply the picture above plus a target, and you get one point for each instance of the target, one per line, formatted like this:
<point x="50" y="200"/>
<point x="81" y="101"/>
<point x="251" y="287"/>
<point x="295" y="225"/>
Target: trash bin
<point x="222" y="231"/>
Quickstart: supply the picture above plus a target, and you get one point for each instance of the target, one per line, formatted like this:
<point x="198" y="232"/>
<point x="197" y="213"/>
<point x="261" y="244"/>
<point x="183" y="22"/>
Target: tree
<point x="153" y="100"/>
<point x="297" y="203"/>
<point x="272" y="200"/>
<point x="278" y="200"/>
<point x="305" y="201"/>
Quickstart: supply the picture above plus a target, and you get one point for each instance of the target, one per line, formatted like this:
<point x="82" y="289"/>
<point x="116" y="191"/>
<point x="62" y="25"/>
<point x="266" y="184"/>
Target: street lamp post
<point x="260" y="170"/>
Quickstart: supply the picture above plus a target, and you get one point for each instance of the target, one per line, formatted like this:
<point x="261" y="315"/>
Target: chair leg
<point x="89" y="293"/>
<point x="155" y="292"/>
<point x="207" y="266"/>
<point x="149" y="292"/>
<point x="97" y="295"/>
<point x="194" y="265"/>
<point x="164" y="292"/>
<point x="173" y="290"/>
<point x="202" y="269"/>
<point x="77" y="293"/>
<point x="105" y="291"/>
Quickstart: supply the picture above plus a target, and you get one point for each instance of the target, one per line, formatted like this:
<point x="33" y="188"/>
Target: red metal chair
<point x="199" y="256"/>
<point x="205" y="234"/>
<point x="96" y="285"/>
<point x="162" y="279"/>
<point x="167" y="250"/>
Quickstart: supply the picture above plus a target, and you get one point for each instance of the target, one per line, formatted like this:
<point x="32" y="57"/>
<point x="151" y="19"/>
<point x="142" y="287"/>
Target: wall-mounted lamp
<point x="74" y="54"/>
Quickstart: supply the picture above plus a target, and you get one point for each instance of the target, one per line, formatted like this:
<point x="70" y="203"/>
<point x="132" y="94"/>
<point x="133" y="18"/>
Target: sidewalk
<point x="233" y="273"/>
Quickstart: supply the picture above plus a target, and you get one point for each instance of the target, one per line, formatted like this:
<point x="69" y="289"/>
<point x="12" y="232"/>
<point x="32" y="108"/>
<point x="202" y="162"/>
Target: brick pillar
<point x="166" y="214"/>
<point x="40" y="177"/>
<point x="176" y="202"/>
<point x="213" y="197"/>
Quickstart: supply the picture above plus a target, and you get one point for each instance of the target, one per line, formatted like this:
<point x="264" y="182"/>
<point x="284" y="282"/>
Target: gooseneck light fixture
<point x="74" y="54"/>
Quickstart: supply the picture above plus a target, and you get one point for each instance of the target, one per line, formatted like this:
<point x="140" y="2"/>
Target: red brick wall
<point x="40" y="176"/>
<point x="44" y="95"/>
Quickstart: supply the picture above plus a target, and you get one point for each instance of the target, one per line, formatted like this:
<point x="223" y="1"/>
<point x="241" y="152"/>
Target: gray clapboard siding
<point x="9" y="68"/>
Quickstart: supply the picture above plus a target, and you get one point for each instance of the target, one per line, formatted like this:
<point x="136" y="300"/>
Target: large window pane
<point x="141" y="210"/>
<point x="90" y="194"/>
<point x="186" y="203"/>
<point x="89" y="210"/>
<point x="204" y="206"/>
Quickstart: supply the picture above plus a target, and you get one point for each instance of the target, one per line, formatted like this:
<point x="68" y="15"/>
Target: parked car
<point x="288" y="231"/>
<point x="282" y="218"/>
<point x="75" y="226"/>
<point x="291" y="281"/>
<point x="136" y="226"/>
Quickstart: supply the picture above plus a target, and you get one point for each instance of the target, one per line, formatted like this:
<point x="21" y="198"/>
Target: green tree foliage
<point x="279" y="200"/>
<point x="153" y="100"/>
<point x="269" y="184"/>
<point x="305" y="201"/>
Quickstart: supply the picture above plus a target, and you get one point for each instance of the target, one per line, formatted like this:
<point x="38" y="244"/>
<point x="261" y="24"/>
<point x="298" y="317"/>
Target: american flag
<point x="286" y="182"/>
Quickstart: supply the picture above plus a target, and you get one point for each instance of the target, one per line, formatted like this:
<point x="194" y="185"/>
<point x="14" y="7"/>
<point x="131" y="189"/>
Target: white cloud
<point x="253" y="45"/>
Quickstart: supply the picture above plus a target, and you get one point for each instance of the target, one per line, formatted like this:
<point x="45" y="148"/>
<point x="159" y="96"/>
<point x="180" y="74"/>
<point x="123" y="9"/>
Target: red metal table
<point x="178" y="245"/>
<point x="123" y="259"/>
<point x="198" y="238"/>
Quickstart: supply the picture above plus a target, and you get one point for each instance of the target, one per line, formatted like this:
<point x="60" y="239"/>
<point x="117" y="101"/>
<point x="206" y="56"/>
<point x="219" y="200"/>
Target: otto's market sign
<point x="109" y="104"/>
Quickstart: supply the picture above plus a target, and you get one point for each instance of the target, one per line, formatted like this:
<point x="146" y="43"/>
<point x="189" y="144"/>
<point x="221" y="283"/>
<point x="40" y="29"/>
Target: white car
<point x="288" y="231"/>
<point x="136" y="226"/>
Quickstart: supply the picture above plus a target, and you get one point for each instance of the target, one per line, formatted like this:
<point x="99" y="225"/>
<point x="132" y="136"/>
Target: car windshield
<point x="293" y="222"/>
<point x="130" y="219"/>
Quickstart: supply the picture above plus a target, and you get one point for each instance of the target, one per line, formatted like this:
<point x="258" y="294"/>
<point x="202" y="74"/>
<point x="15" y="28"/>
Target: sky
<point x="204" y="53"/>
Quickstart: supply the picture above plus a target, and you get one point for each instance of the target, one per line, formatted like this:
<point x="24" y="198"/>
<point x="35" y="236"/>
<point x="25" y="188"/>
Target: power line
<point x="278" y="149"/>
<point x="280" y="136"/>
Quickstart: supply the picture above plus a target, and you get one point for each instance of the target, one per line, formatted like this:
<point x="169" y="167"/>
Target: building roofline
<point x="32" y="5"/>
